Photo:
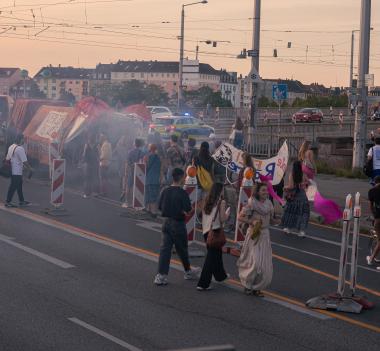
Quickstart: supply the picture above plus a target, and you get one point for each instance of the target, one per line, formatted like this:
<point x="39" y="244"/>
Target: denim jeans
<point x="16" y="185"/>
<point x="173" y="233"/>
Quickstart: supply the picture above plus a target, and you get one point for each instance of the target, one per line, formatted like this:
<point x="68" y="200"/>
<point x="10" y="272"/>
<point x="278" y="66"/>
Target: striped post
<point x="244" y="195"/>
<point x="139" y="186"/>
<point x="191" y="188"/>
<point x="58" y="182"/>
<point x="53" y="155"/>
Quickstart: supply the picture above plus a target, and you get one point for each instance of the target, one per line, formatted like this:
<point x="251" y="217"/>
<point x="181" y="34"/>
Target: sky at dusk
<point x="85" y="32"/>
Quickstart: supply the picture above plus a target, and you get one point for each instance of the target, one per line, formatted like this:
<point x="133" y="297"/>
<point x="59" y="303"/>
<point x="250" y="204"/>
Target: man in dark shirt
<point x="174" y="204"/>
<point x="374" y="200"/>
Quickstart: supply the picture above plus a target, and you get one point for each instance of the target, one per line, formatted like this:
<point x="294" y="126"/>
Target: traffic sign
<point x="279" y="91"/>
<point x="254" y="76"/>
<point x="253" y="53"/>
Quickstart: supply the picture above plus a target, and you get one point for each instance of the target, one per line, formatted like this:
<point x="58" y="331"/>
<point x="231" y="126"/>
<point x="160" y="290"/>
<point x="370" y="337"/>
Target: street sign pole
<point x="360" y="134"/>
<point x="255" y="59"/>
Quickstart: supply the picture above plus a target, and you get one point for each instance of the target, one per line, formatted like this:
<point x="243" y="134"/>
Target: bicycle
<point x="373" y="240"/>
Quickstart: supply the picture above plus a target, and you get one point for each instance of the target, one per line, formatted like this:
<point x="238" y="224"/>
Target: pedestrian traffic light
<point x="289" y="44"/>
<point x="214" y="43"/>
<point x="275" y="53"/>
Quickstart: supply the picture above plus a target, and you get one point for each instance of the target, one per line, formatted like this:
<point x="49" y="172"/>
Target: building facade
<point x="56" y="81"/>
<point x="229" y="87"/>
<point x="9" y="77"/>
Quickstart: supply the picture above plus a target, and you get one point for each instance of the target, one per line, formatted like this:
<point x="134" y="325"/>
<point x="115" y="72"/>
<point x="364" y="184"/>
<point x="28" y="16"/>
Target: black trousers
<point x="16" y="185"/>
<point x="213" y="266"/>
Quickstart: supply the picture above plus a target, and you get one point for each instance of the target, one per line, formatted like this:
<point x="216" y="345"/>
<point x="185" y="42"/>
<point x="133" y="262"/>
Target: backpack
<point x="204" y="178"/>
<point x="368" y="167"/>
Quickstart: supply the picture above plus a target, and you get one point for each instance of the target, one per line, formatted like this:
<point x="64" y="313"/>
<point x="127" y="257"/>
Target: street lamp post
<point x="181" y="54"/>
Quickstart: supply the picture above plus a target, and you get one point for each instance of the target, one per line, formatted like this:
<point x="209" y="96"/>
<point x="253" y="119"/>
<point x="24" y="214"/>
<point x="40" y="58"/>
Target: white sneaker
<point x="369" y="261"/>
<point x="125" y="205"/>
<point x="161" y="279"/>
<point x="222" y="281"/>
<point x="199" y="288"/>
<point x="286" y="230"/>
<point x="301" y="234"/>
<point x="193" y="273"/>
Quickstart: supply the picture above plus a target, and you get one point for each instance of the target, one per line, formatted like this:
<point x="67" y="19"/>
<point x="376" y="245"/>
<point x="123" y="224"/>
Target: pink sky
<point x="326" y="27"/>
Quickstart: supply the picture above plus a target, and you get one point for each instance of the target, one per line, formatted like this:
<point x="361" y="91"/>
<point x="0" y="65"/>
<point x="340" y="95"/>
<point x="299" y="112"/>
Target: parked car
<point x="159" y="111"/>
<point x="308" y="115"/>
<point x="182" y="126"/>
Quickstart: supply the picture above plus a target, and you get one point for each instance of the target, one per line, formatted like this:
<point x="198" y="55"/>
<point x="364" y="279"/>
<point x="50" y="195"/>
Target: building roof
<point x="228" y="77"/>
<point x="159" y="67"/>
<point x="294" y="86"/>
<point x="64" y="73"/>
<point x="6" y="72"/>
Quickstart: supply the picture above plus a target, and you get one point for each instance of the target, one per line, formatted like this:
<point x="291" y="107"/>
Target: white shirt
<point x="17" y="156"/>
<point x="207" y="221"/>
<point x="374" y="153"/>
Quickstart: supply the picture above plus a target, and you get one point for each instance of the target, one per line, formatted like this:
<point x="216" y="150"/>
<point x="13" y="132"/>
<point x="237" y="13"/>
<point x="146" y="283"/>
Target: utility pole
<point x="352" y="60"/>
<point x="181" y="54"/>
<point x="255" y="66"/>
<point x="360" y="135"/>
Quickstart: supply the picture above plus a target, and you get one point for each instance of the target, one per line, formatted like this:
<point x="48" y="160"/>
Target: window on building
<point x="53" y="95"/>
<point x="54" y="88"/>
<point x="132" y="75"/>
<point x="54" y="80"/>
<point x="71" y="82"/>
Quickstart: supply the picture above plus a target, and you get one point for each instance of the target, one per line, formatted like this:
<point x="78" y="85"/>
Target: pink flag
<point x="268" y="181"/>
<point x="328" y="209"/>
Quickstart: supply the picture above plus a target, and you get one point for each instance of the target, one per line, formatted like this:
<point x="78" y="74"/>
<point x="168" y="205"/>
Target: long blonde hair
<point x="303" y="149"/>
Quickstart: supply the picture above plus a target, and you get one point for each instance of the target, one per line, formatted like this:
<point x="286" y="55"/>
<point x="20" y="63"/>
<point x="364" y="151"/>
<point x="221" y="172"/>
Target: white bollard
<point x="347" y="216"/>
<point x="355" y="244"/>
<point x="244" y="195"/>
<point x="139" y="186"/>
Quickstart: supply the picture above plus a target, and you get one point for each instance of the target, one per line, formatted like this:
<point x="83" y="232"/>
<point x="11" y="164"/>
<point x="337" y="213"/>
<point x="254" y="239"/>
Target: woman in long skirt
<point x="255" y="262"/>
<point x="306" y="156"/>
<point x="297" y="209"/>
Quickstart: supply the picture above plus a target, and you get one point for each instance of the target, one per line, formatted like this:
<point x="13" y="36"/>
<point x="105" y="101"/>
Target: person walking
<point x="105" y="158"/>
<point x="352" y="109"/>
<point x="174" y="204"/>
<point x="237" y="136"/>
<point x="374" y="156"/>
<point x="374" y="201"/>
<point x="17" y="157"/>
<point x="306" y="156"/>
<point x="297" y="209"/>
<point x="91" y="166"/>
<point x="152" y="180"/>
<point x="255" y="262"/>
<point x="191" y="151"/>
<point x="214" y="214"/>
<point x="176" y="157"/>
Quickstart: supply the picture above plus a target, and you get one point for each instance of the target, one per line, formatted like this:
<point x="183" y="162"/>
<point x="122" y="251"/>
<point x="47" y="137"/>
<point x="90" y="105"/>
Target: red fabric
<point x="93" y="107"/>
<point x="140" y="110"/>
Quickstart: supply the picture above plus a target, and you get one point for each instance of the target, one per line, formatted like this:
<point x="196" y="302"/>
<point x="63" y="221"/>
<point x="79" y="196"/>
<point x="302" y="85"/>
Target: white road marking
<point x="148" y="257"/>
<point x="41" y="255"/>
<point x="104" y="334"/>
<point x="321" y="256"/>
<point x="154" y="226"/>
<point x="6" y="237"/>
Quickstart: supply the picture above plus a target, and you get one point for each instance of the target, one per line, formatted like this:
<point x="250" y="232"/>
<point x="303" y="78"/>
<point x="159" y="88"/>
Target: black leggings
<point x="16" y="184"/>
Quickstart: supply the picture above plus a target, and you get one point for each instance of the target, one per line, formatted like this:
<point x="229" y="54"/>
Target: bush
<point x="324" y="168"/>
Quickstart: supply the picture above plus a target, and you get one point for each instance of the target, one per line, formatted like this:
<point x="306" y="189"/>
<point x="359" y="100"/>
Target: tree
<point x="205" y="95"/>
<point x="67" y="96"/>
<point x="36" y="93"/>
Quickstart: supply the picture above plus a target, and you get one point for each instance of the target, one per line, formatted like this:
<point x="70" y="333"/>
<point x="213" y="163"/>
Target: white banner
<point x="275" y="167"/>
<point x="51" y="125"/>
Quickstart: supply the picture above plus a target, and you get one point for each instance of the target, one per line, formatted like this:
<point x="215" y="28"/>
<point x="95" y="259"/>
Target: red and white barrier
<point x="139" y="186"/>
<point x="191" y="188"/>
<point x="244" y="195"/>
<point x="58" y="182"/>
<point x="54" y="154"/>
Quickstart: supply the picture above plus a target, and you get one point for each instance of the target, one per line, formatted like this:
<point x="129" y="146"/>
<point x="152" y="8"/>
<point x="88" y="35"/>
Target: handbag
<point x="256" y="229"/>
<point x="368" y="167"/>
<point x="216" y="238"/>
<point x="6" y="167"/>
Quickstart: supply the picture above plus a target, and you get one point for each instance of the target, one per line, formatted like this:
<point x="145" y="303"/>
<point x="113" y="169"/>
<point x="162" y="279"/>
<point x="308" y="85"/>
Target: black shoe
<point x="9" y="205"/>
<point x="24" y="203"/>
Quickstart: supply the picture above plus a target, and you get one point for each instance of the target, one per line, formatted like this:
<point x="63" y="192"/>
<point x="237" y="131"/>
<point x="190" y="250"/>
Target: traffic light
<point x="289" y="44"/>
<point x="275" y="53"/>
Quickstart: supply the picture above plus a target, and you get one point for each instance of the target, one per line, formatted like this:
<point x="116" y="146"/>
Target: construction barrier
<point x="191" y="187"/>
<point x="341" y="301"/>
<point x="139" y="186"/>
<point x="53" y="155"/>
<point x="244" y="195"/>
<point x="58" y="182"/>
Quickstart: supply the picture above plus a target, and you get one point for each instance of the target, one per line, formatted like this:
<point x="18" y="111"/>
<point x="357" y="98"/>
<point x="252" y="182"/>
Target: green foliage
<point x="265" y="102"/>
<point x="204" y="96"/>
<point x="131" y="92"/>
<point x="324" y="168"/>
<point x="36" y="93"/>
<point x="68" y="97"/>
<point x="322" y="101"/>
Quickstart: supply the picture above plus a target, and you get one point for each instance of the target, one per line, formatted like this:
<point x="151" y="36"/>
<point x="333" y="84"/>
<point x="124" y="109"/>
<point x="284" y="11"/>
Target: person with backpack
<point x="373" y="160"/>
<point x="17" y="157"/>
<point x="175" y="156"/>
<point x="214" y="214"/>
<point x="205" y="171"/>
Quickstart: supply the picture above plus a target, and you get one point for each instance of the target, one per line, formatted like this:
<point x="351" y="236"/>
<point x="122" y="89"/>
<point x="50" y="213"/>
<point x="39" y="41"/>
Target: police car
<point x="182" y="126"/>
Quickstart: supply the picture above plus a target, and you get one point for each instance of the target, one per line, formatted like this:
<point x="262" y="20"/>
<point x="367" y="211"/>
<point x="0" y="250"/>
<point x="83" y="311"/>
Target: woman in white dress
<point x="255" y="262"/>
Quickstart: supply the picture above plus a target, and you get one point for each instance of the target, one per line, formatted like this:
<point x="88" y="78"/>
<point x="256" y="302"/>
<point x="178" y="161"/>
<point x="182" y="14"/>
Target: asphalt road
<point x="84" y="281"/>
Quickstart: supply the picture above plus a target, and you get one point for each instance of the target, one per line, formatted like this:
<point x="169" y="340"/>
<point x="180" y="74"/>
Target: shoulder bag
<point x="6" y="167"/>
<point x="216" y="238"/>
